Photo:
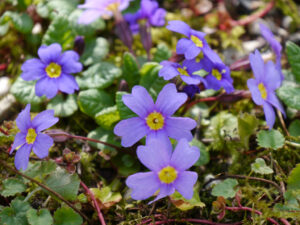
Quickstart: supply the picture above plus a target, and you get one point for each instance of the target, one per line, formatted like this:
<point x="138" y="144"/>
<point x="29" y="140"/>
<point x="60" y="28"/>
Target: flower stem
<point x="193" y="221"/>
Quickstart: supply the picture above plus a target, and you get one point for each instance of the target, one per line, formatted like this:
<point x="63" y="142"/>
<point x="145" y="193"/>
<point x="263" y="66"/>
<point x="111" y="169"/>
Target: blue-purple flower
<point x="30" y="136"/>
<point x="168" y="170"/>
<point x="267" y="80"/>
<point x="52" y="70"/>
<point x="149" y="13"/>
<point x="185" y="71"/>
<point x="193" y="44"/>
<point x="154" y="120"/>
<point x="100" y="8"/>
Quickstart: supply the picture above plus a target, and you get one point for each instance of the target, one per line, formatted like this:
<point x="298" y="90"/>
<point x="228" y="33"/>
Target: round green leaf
<point x="12" y="186"/>
<point x="225" y="188"/>
<point x="259" y="166"/>
<point x="270" y="139"/>
<point x="15" y="214"/>
<point x="63" y="107"/>
<point x="67" y="216"/>
<point x="107" y="117"/>
<point x="290" y="96"/>
<point x="43" y="217"/>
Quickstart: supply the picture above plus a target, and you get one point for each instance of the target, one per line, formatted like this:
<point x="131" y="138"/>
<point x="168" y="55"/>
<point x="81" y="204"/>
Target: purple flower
<point x="30" y="136"/>
<point x="191" y="90"/>
<point x="154" y="120"/>
<point x="98" y="8"/>
<point x="275" y="45"/>
<point x="52" y="71"/>
<point x="171" y="70"/>
<point x="193" y="44"/>
<point x="168" y="170"/>
<point x="267" y="80"/>
<point x="149" y="13"/>
<point x="218" y="73"/>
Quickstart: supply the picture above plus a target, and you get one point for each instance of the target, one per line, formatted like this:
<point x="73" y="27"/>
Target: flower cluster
<point x="217" y="74"/>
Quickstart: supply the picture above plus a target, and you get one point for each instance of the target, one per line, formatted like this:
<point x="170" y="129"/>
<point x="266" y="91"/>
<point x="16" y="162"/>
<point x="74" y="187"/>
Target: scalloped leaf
<point x="270" y="139"/>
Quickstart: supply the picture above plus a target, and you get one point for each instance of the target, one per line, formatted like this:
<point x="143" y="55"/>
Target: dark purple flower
<point x="267" y="80"/>
<point x="193" y="44"/>
<point x="218" y="73"/>
<point x="185" y="71"/>
<point x="168" y="170"/>
<point x="30" y="136"/>
<point x="149" y="13"/>
<point x="154" y="120"/>
<point x="191" y="90"/>
<point x="52" y="71"/>
<point x="100" y="8"/>
<point x="275" y="45"/>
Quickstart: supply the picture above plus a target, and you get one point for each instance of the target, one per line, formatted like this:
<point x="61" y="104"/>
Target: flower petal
<point x="20" y="139"/>
<point x="191" y="79"/>
<point x="69" y="62"/>
<point x="272" y="76"/>
<point x="143" y="185"/>
<point x="184" y="156"/>
<point x="158" y="18"/>
<point x="22" y="157"/>
<point x="269" y="114"/>
<point x="255" y="93"/>
<point x="165" y="190"/>
<point x="23" y="120"/>
<point x="185" y="182"/>
<point x="169" y="100"/>
<point x="268" y="35"/>
<point x="67" y="84"/>
<point x="156" y="154"/>
<point x="188" y="48"/>
<point x="179" y="27"/>
<point x="46" y="86"/>
<point x="212" y="82"/>
<point x="257" y="65"/>
<point x="33" y="69"/>
<point x="272" y="99"/>
<point x="169" y="70"/>
<point x="88" y="16"/>
<point x="139" y="101"/>
<point x="41" y="145"/>
<point x="131" y="130"/>
<point x="179" y="127"/>
<point x="50" y="53"/>
<point x="44" y="120"/>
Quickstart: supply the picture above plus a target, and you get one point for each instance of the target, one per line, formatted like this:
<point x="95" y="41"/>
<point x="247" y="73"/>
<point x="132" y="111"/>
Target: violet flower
<point x="149" y="13"/>
<point x="52" y="71"/>
<point x="185" y="71"/>
<point x="191" y="90"/>
<point x="154" y="120"/>
<point x="267" y="80"/>
<point x="193" y="44"/>
<point x="30" y="136"/>
<point x="168" y="170"/>
<point x="100" y="8"/>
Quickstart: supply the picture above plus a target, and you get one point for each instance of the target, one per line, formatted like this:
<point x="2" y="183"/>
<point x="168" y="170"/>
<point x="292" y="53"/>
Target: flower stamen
<point x="216" y="74"/>
<point x="197" y="41"/>
<point x="167" y="175"/>
<point x="183" y="71"/>
<point x="262" y="90"/>
<point x="155" y="121"/>
<point x="53" y="70"/>
<point x="31" y="136"/>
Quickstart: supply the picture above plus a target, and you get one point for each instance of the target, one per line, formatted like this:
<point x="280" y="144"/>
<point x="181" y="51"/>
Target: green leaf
<point x="293" y="182"/>
<point x="204" y="154"/>
<point x="293" y="55"/>
<point x="3" y="29"/>
<point x="247" y="125"/>
<point x="290" y="95"/>
<point x="100" y="75"/>
<point x="107" y="117"/>
<point x="270" y="139"/>
<point x="150" y="79"/>
<point x="127" y="164"/>
<point x="294" y="128"/>
<point x="62" y="7"/>
<point x="259" y="166"/>
<point x="225" y="188"/>
<point x="21" y="22"/>
<point x="93" y="101"/>
<point x="162" y="53"/>
<point x="40" y="169"/>
<point x="43" y="217"/>
<point x="130" y="69"/>
<point x="15" y="214"/>
<point x="106" y="196"/>
<point x="24" y="91"/>
<point x="94" y="51"/>
<point x="63" y="183"/>
<point x="67" y="216"/>
<point x="125" y="112"/>
<point x="63" y="107"/>
<point x="12" y="186"/>
<point x="57" y="33"/>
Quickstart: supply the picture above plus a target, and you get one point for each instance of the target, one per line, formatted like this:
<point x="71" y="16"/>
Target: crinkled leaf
<point x="225" y="188"/>
<point x="259" y="166"/>
<point x="270" y="139"/>
<point x="106" y="197"/>
<point x="127" y="164"/>
<point x="94" y="51"/>
<point x="15" y="214"/>
<point x="40" y="169"/>
<point x="293" y="182"/>
<point x="247" y="125"/>
<point x="63" y="106"/>
<point x="293" y="55"/>
<point x="204" y="154"/>
<point x="21" y="21"/>
<point x="41" y="217"/>
<point x="12" y="186"/>
<point x="105" y="136"/>
<point x="130" y="69"/>
<point x="290" y="95"/>
<point x="107" y="117"/>
<point x="67" y="216"/>
<point x="62" y="7"/>
<point x="124" y="111"/>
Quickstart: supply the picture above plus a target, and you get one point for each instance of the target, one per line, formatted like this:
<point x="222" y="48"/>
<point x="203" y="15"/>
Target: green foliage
<point x="93" y="101"/>
<point x="124" y="111"/>
<point x="41" y="217"/>
<point x="247" y="125"/>
<point x="61" y="7"/>
<point x="12" y="186"/>
<point x="15" y="214"/>
<point x="106" y="197"/>
<point x="100" y="75"/>
<point x="63" y="106"/>
<point x="290" y="95"/>
<point x="293" y="182"/>
<point x="259" y="166"/>
<point x="293" y="54"/>
<point x="130" y="69"/>
<point x="20" y="21"/>
<point x="270" y="139"/>
<point x="204" y="154"/>
<point x="106" y="118"/>
<point x="288" y="7"/>
<point x="40" y="169"/>
<point x="294" y="128"/>
<point x="94" y="51"/>
<point x="67" y="216"/>
<point x="162" y="53"/>
<point x="127" y="164"/>
<point x="225" y="188"/>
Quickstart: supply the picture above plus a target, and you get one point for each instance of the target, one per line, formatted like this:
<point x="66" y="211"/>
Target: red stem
<point x="193" y="221"/>
<point x="100" y="216"/>
<point x="284" y="221"/>
<point x="4" y="132"/>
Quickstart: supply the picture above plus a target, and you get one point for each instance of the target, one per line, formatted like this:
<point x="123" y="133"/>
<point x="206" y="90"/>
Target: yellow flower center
<point x="155" y="121"/>
<point x="53" y="70"/>
<point x="183" y="71"/>
<point x="216" y="74"/>
<point x="31" y="135"/>
<point x="113" y="6"/>
<point x="167" y="175"/>
<point x="262" y="90"/>
<point x="197" y="41"/>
